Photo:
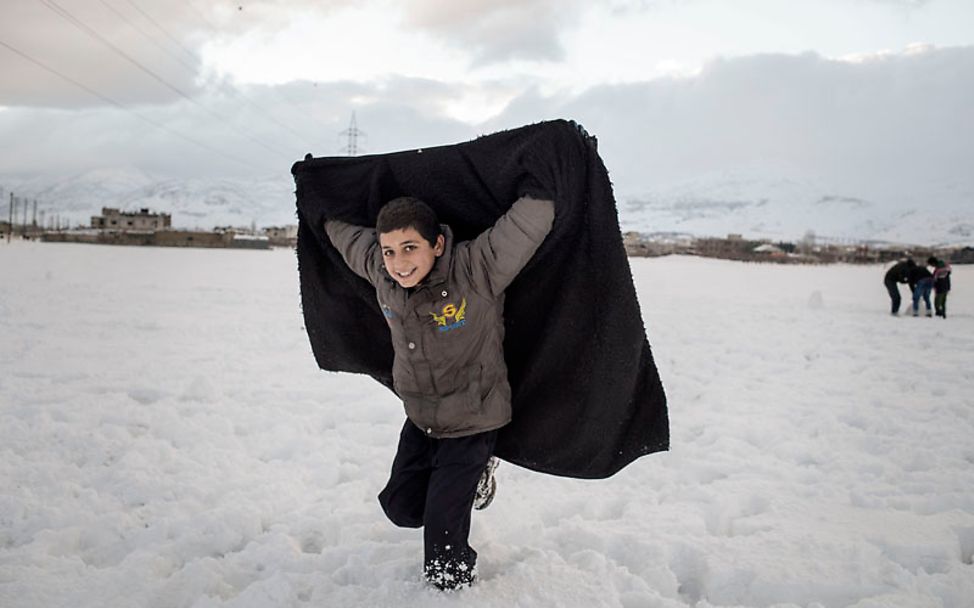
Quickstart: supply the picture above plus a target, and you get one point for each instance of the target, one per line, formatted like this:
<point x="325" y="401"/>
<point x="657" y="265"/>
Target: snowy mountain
<point x="193" y="203"/>
<point x="758" y="202"/>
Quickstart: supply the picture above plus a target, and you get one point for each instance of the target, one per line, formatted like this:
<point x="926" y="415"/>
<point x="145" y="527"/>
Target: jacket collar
<point x="441" y="268"/>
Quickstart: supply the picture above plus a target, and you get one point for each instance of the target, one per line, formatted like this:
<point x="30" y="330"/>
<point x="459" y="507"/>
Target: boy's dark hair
<point x="932" y="261"/>
<point x="409" y="212"/>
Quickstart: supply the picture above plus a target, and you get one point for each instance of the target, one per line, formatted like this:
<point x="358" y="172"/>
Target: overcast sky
<point x="860" y="92"/>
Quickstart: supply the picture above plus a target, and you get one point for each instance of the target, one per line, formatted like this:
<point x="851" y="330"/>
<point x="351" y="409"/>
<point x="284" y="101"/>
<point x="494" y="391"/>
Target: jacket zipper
<point x="422" y="346"/>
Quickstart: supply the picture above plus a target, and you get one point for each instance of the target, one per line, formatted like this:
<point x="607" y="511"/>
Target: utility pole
<point x="23" y="225"/>
<point x="10" y="223"/>
<point x="34" y="221"/>
<point x="352" y="133"/>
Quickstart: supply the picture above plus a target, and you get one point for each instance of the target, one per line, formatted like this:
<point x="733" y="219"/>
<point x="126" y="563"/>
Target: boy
<point x="444" y="304"/>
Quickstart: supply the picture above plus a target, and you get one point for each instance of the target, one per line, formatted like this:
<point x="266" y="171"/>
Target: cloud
<point x="261" y="137"/>
<point x="133" y="52"/>
<point x="873" y="118"/>
<point x="497" y="30"/>
<point x="905" y="3"/>
<point x="185" y="45"/>
<point x="149" y="51"/>
<point x="892" y="123"/>
<point x="101" y="45"/>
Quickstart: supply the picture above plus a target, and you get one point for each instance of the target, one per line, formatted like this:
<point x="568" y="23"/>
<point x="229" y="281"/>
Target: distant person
<point x="921" y="284"/>
<point x="941" y="284"/>
<point x="899" y="273"/>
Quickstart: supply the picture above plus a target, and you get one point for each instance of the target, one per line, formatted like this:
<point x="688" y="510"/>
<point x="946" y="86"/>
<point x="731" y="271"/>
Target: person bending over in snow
<point x="444" y="304"/>
<point x="898" y="273"/>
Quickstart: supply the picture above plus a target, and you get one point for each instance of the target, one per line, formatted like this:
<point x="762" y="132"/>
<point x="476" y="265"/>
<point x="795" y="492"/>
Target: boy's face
<point x="408" y="256"/>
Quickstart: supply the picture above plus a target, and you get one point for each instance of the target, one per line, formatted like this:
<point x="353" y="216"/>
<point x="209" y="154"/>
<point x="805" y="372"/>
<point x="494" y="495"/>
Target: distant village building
<point x="281" y="232"/>
<point x="768" y="248"/>
<point x="964" y="255"/>
<point x="282" y="236"/>
<point x="734" y="247"/>
<point x="124" y="221"/>
<point x="635" y="244"/>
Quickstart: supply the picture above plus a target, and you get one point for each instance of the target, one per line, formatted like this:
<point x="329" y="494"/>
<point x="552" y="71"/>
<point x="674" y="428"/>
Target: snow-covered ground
<point x="167" y="440"/>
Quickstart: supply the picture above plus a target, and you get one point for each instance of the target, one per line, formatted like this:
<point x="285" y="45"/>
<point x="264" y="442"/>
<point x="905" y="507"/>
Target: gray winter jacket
<point x="448" y="333"/>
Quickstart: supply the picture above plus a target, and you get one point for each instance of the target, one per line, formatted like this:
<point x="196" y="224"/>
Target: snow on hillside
<point x="193" y="203"/>
<point x="784" y="204"/>
<point x="167" y="441"/>
<point x="776" y="202"/>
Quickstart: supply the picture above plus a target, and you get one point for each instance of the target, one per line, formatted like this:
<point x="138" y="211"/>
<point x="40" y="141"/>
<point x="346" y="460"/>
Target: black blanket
<point x="587" y="399"/>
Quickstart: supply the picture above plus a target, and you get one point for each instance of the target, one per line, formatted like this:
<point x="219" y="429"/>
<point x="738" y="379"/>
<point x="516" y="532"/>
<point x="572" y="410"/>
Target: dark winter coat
<point x="941" y="277"/>
<point x="899" y="272"/>
<point x="916" y="274"/>
<point x="586" y="396"/>
<point x="448" y="331"/>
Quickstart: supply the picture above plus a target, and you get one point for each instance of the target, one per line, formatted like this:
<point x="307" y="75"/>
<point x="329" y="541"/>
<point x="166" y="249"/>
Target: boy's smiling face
<point x="409" y="257"/>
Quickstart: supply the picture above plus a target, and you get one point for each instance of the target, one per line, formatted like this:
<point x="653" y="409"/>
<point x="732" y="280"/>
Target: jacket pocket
<point x="475" y="389"/>
<point x="462" y="407"/>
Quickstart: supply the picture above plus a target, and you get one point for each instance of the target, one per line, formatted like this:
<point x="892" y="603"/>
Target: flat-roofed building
<point x="282" y="236"/>
<point x="126" y="221"/>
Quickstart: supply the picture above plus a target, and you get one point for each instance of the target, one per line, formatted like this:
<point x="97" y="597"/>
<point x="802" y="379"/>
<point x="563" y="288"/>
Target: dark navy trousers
<point x="894" y="295"/>
<point x="432" y="485"/>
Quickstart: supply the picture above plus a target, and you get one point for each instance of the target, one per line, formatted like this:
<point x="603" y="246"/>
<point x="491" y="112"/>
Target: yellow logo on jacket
<point x="451" y="317"/>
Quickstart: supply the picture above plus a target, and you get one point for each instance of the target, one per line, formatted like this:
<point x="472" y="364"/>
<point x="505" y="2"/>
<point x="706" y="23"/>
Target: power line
<point x="163" y="30"/>
<point x="146" y="34"/>
<point x="304" y="111"/>
<point x="301" y="110"/>
<point x="200" y="14"/>
<point x="59" y="10"/>
<point x="192" y="68"/>
<point x="121" y="106"/>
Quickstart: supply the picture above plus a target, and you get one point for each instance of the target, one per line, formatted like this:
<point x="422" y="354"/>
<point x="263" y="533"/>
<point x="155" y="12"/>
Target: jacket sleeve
<point x="500" y="252"/>
<point x="358" y="245"/>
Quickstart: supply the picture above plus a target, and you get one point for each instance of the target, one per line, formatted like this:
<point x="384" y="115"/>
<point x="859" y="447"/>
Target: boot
<point x="450" y="575"/>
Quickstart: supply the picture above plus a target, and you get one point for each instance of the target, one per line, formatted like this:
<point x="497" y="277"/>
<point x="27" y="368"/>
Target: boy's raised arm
<point x="500" y="252"/>
<point x="358" y="246"/>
